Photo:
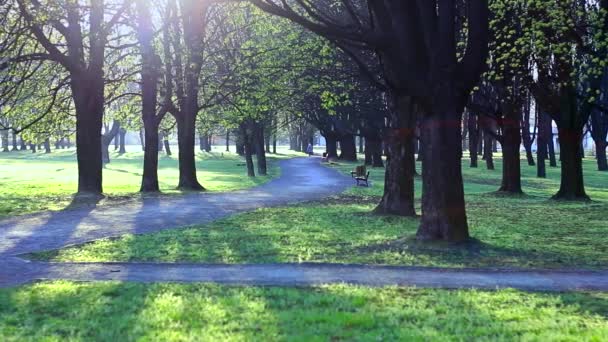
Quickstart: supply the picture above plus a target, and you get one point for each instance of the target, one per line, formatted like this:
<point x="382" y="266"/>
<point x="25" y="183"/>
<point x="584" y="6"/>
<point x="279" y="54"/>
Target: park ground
<point x="528" y="231"/>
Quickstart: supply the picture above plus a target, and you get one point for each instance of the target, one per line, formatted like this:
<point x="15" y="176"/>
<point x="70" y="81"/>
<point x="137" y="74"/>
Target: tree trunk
<point x="488" y="154"/>
<point x="361" y="143"/>
<point x="167" y="147"/>
<point x="106" y="140"/>
<point x="368" y="152"/>
<point x="142" y="140"/>
<point x="542" y="144"/>
<point x="47" y="145"/>
<point x="511" y="163"/>
<point x="33" y="147"/>
<point x="149" y="180"/>
<point x="600" y="151"/>
<point x="551" y="147"/>
<point x="5" y="140"/>
<point x="247" y="149"/>
<point x="331" y="146"/>
<point x="572" y="184"/>
<point x="443" y="207"/>
<point x="88" y="94"/>
<point x="121" y="137"/>
<point x="348" y="148"/>
<point x="227" y="141"/>
<point x="267" y="140"/>
<point x="398" y="197"/>
<point x="473" y="138"/>
<point x="260" y="151"/>
<point x="15" y="145"/>
<point x="186" y="124"/>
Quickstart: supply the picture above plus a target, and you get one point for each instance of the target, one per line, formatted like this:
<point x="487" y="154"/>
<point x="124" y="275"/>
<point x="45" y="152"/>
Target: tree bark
<point x="443" y="206"/>
<point x="331" y="146"/>
<point x="149" y="179"/>
<point x="121" y="137"/>
<point x="368" y="152"/>
<point x="572" y="185"/>
<point x="88" y="94"/>
<point x="5" y="140"/>
<point x="348" y="148"/>
<point x="186" y="126"/>
<point x="600" y="151"/>
<point x="511" y="140"/>
<point x="47" y="145"/>
<point x="473" y="138"/>
<point x="544" y="127"/>
<point x="227" y="141"/>
<point x="260" y="150"/>
<point x="247" y="149"/>
<point x="106" y="140"/>
<point x="398" y="196"/>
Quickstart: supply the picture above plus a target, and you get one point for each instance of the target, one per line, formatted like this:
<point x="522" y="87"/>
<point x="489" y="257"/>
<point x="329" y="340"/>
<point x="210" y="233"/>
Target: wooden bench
<point x="363" y="179"/>
<point x="359" y="171"/>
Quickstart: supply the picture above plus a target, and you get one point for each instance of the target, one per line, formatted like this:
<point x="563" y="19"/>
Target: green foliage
<point x="60" y="311"/>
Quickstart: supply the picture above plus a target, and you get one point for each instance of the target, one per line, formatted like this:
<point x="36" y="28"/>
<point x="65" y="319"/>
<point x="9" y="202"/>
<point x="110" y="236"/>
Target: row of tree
<point x="399" y="74"/>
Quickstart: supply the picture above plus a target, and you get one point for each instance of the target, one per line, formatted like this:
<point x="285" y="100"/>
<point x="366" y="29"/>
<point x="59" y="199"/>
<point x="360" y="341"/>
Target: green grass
<point x="67" y="311"/>
<point x="523" y="231"/>
<point x="36" y="182"/>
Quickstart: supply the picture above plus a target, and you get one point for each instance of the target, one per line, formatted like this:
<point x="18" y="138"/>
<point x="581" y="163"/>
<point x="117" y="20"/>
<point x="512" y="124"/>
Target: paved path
<point x="301" y="180"/>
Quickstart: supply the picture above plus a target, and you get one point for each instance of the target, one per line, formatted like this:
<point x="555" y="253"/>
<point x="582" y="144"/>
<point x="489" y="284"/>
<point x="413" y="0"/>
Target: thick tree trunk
<point x="15" y="145"/>
<point x="149" y="180"/>
<point x="398" y="197"/>
<point x="368" y="153"/>
<point x="227" y="141"/>
<point x="116" y="143"/>
<point x="274" y="142"/>
<point x="488" y="154"/>
<point x="511" y="163"/>
<point x="88" y="94"/>
<point x="600" y="151"/>
<point x="376" y="152"/>
<point x="260" y="151"/>
<point x="187" y="163"/>
<point x="5" y="140"/>
<point x="47" y="145"/>
<point x="473" y="138"/>
<point x="331" y="146"/>
<point x="202" y="143"/>
<point x="247" y="149"/>
<point x="33" y="148"/>
<point x="572" y="184"/>
<point x="348" y="148"/>
<point x="443" y="206"/>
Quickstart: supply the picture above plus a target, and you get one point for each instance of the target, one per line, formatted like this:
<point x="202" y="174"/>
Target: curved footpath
<point x="302" y="179"/>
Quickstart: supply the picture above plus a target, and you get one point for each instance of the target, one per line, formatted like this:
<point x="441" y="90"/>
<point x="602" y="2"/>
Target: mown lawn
<point x="36" y="182"/>
<point x="68" y="311"/>
<point x="522" y="231"/>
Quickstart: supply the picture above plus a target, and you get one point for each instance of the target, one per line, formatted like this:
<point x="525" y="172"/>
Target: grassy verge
<point x="61" y="311"/>
<point x="523" y="231"/>
<point x="37" y="182"/>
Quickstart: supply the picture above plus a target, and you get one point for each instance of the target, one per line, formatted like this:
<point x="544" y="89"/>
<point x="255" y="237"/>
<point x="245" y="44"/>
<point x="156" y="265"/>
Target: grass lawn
<point x="68" y="311"/>
<point x="36" y="182"/>
<point x="523" y="231"/>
